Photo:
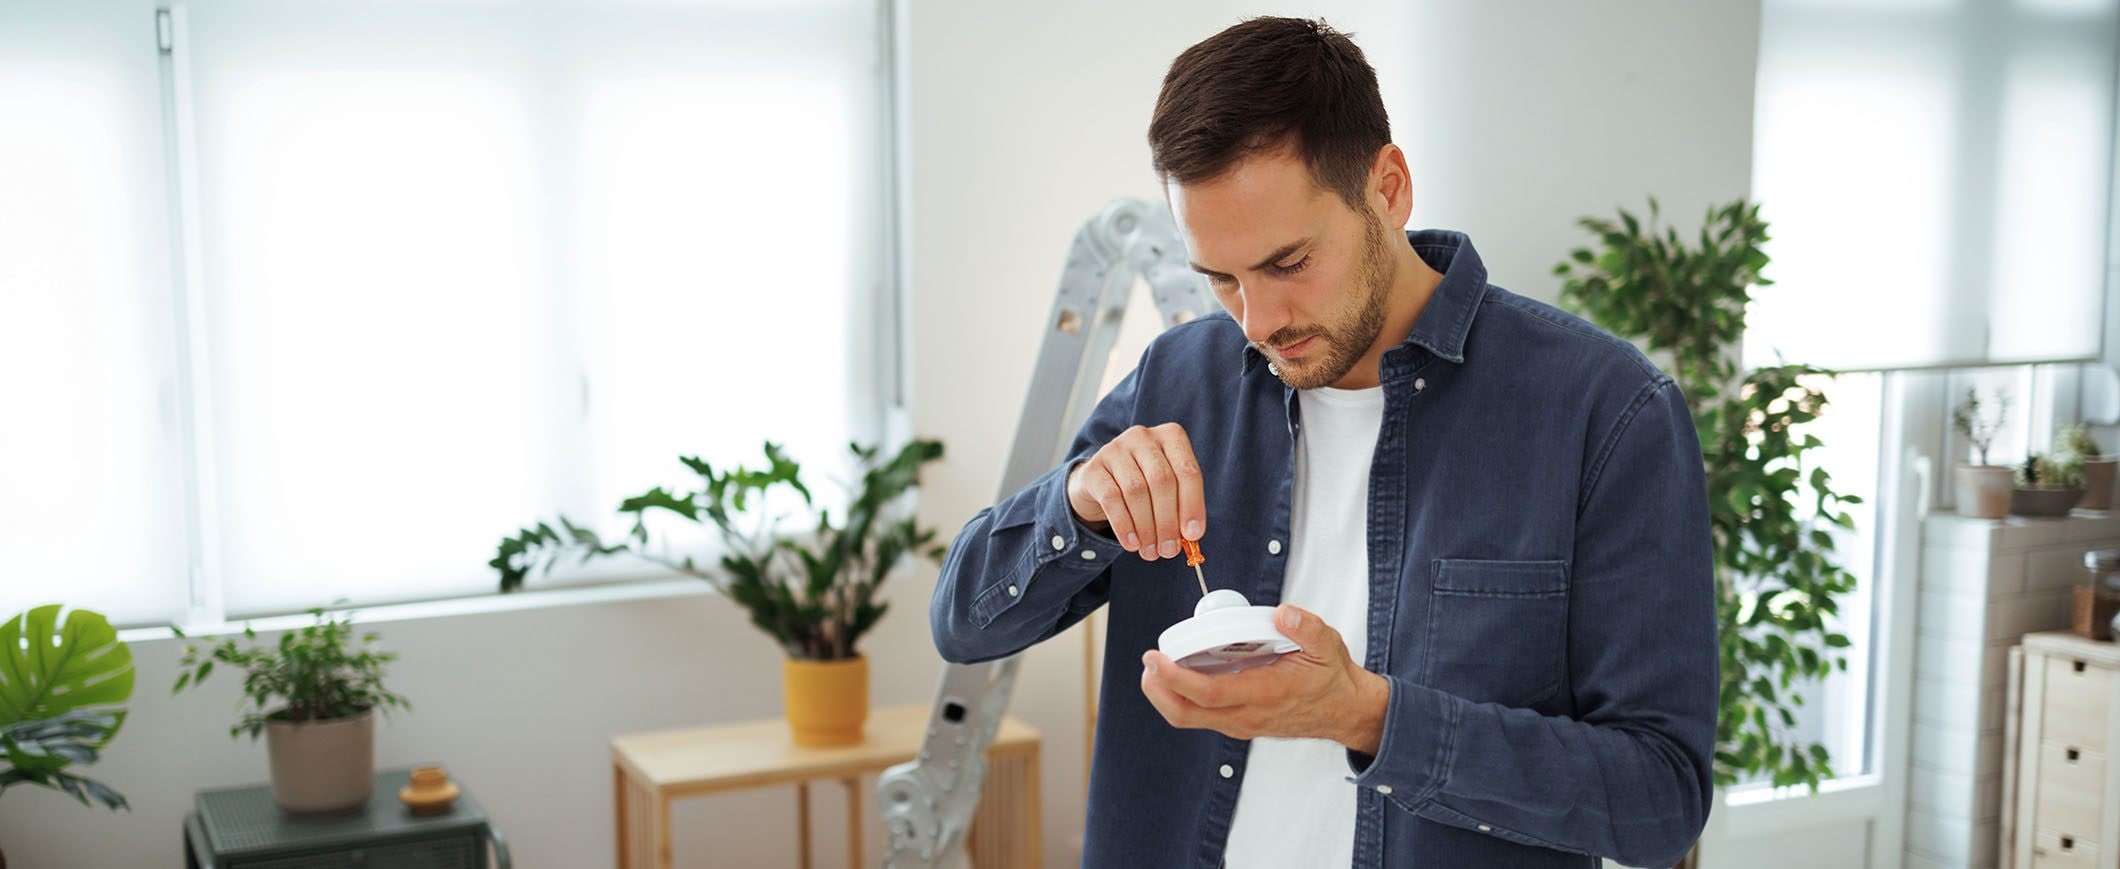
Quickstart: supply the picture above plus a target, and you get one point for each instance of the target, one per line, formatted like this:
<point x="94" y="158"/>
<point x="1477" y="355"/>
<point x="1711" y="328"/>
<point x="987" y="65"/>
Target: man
<point x="1484" y="520"/>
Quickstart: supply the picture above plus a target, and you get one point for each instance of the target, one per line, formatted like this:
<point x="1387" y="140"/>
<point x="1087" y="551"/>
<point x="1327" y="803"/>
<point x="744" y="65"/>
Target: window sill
<point x="608" y="592"/>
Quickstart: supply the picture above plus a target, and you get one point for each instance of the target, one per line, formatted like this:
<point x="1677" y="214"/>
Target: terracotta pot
<point x="827" y="701"/>
<point x="2044" y="502"/>
<point x="322" y="767"/>
<point x="1983" y="490"/>
<point x="2098" y="483"/>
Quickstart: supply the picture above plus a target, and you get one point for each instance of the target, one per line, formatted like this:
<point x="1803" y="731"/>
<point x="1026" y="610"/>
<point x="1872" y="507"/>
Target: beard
<point x="1350" y="332"/>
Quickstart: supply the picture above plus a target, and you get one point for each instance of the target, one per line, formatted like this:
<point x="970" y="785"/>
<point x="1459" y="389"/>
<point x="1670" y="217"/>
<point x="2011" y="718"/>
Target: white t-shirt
<point x="1296" y="807"/>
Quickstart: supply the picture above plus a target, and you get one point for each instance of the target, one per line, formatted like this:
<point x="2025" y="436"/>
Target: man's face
<point x="1306" y="276"/>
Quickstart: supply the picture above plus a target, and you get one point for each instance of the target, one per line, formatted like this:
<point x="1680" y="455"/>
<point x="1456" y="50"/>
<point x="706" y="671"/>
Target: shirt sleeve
<point x="1027" y="567"/>
<point x="1629" y="776"/>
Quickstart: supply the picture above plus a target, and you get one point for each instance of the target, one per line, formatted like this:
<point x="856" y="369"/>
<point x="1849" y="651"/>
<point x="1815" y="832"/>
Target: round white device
<point x="1225" y="635"/>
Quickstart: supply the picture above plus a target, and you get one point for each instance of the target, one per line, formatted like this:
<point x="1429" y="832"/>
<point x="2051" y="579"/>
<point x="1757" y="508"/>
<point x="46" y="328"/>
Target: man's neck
<point x="1410" y="291"/>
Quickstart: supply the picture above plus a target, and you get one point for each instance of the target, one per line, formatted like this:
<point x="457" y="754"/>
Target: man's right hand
<point x="1145" y="486"/>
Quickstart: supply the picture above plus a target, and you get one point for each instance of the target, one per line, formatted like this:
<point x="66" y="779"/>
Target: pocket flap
<point x="1481" y="576"/>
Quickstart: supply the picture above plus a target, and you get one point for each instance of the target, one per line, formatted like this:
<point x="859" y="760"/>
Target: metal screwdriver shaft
<point x="1195" y="559"/>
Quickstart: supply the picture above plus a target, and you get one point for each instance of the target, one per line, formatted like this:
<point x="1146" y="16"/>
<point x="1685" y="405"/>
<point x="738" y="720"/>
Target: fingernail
<point x="1170" y="548"/>
<point x="1151" y="667"/>
<point x="1133" y="541"/>
<point x="1192" y="529"/>
<point x="1288" y="619"/>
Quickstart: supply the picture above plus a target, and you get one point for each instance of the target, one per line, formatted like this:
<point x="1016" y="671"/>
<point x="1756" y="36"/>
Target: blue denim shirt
<point x="1540" y="590"/>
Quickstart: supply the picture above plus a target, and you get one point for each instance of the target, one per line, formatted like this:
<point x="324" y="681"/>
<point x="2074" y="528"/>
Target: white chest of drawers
<point x="2067" y="788"/>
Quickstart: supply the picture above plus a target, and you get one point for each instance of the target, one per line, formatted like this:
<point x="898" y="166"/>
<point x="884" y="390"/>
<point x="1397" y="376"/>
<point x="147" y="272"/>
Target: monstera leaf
<point x="61" y="686"/>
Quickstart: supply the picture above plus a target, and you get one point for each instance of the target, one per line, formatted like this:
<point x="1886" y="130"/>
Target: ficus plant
<point x="814" y="592"/>
<point x="318" y="672"/>
<point x="1778" y="579"/>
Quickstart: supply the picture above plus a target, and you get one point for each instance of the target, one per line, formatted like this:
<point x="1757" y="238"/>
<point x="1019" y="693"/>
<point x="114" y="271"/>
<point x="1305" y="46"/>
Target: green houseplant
<point x="63" y="686"/>
<point x="2098" y="468"/>
<point x="1983" y="490"/>
<point x="2047" y="484"/>
<point x="1777" y="575"/>
<point x="314" y="695"/>
<point x="814" y="592"/>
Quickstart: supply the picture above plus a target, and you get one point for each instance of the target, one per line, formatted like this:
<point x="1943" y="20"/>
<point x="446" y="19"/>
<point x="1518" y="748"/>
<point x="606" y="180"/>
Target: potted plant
<point x="314" y="695"/>
<point x="1983" y="489"/>
<point x="2098" y="468"/>
<point x="813" y="592"/>
<point x="61" y="701"/>
<point x="2047" y="485"/>
<point x="1772" y="511"/>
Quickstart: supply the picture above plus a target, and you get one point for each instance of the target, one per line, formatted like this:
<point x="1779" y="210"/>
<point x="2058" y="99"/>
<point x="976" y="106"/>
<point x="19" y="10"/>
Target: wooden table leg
<point x="853" y="822"/>
<point x="662" y="831"/>
<point x="618" y="814"/>
<point x="802" y="821"/>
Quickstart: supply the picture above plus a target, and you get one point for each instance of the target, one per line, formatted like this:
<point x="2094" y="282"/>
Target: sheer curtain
<point x="92" y="496"/>
<point x="471" y="263"/>
<point x="460" y="265"/>
<point x="1936" y="173"/>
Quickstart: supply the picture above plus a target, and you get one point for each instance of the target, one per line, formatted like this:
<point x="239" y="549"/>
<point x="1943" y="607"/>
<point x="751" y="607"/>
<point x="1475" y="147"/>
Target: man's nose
<point x="1262" y="319"/>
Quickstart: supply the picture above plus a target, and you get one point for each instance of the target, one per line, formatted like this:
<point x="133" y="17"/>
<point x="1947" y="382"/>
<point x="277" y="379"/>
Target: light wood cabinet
<point x="2065" y="792"/>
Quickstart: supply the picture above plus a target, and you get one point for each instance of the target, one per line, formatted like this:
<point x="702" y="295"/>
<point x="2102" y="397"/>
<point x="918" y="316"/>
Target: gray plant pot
<point x="322" y="767"/>
<point x="2044" y="502"/>
<point x="1983" y="490"/>
<point x="2098" y="482"/>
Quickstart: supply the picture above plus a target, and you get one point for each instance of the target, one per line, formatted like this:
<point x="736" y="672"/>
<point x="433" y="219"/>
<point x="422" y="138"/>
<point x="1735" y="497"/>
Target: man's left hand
<point x="1318" y="693"/>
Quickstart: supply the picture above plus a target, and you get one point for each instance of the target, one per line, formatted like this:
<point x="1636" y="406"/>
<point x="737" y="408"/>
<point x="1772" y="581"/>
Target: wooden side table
<point x="648" y="770"/>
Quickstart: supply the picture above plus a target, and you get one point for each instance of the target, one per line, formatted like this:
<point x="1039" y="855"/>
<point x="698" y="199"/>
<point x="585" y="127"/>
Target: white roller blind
<point x="1936" y="173"/>
<point x="471" y="263"/>
<point x="92" y="502"/>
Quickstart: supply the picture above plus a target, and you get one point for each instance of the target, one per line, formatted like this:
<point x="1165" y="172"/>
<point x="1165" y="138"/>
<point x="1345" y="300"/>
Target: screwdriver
<point x="1194" y="559"/>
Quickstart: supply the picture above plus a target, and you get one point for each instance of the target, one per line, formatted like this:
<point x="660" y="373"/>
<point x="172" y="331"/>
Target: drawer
<point x="2053" y="850"/>
<point x="2071" y="790"/>
<point x="2078" y="697"/>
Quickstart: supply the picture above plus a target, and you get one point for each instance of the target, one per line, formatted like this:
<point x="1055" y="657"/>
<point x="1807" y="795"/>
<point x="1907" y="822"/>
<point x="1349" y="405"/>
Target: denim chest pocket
<point x="1497" y="630"/>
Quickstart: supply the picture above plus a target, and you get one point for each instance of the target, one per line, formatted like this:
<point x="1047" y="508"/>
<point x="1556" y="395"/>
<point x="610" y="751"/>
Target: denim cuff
<point x="1055" y="534"/>
<point x="1414" y="756"/>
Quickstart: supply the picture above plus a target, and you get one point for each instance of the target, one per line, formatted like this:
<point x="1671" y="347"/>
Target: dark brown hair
<point x="1263" y="84"/>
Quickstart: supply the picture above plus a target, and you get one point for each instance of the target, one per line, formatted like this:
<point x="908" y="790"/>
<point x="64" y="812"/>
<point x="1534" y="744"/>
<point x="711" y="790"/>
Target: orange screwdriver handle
<point x="1193" y="558"/>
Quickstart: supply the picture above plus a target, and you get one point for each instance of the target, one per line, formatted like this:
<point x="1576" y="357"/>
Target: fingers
<point x="1198" y="690"/>
<point x="1162" y="496"/>
<point x="1102" y="488"/>
<point x="1147" y="484"/>
<point x="1192" y="496"/>
<point x="1176" y="710"/>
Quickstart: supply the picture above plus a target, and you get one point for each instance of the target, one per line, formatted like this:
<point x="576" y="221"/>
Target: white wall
<point x="1023" y="120"/>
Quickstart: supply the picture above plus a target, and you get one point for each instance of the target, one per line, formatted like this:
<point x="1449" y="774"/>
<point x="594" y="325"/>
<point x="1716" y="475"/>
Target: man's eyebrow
<point x="1272" y="258"/>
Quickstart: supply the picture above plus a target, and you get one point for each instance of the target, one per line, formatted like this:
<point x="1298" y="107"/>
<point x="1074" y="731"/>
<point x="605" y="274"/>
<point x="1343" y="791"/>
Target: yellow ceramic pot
<point x="827" y="701"/>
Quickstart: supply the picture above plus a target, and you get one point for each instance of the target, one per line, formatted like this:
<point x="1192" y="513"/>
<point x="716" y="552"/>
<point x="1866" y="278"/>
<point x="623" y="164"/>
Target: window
<point x="457" y="266"/>
<point x="1937" y="176"/>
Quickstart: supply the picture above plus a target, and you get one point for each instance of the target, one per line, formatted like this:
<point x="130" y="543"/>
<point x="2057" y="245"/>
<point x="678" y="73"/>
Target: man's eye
<point x="1296" y="267"/>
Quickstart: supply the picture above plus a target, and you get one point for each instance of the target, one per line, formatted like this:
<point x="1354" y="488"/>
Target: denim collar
<point x="1447" y="318"/>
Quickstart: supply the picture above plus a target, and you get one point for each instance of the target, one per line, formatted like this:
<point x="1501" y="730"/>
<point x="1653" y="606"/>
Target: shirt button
<point x="1228" y="770"/>
<point x="1059" y="542"/>
<point x="1419" y="384"/>
<point x="1012" y="591"/>
<point x="1273" y="547"/>
<point x="1486" y="829"/>
<point x="1089" y="555"/>
<point x="1384" y="789"/>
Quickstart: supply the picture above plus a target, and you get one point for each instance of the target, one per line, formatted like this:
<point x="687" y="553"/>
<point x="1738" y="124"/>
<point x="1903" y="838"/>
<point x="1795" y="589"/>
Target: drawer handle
<point x="2072" y="755"/>
<point x="2077" y="666"/>
<point x="2068" y="843"/>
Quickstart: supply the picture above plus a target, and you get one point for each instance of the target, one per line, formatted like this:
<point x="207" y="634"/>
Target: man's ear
<point x="1391" y="186"/>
